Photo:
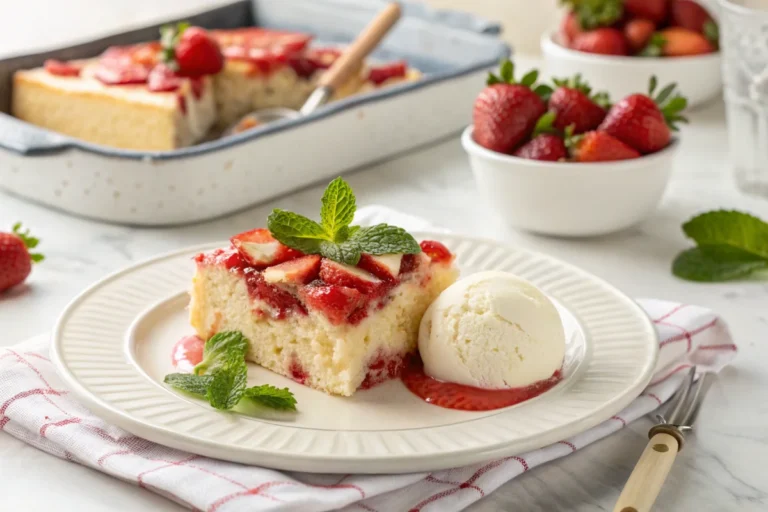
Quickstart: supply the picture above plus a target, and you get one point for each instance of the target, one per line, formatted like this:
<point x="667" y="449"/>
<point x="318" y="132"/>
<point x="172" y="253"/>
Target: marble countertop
<point x="720" y="469"/>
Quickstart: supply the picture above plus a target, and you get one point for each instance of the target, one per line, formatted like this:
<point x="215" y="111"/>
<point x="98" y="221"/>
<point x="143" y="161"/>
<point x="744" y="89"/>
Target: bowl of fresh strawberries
<point x="618" y="44"/>
<point x="563" y="160"/>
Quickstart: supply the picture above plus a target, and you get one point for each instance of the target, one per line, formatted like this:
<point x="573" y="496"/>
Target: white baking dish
<point x="219" y="177"/>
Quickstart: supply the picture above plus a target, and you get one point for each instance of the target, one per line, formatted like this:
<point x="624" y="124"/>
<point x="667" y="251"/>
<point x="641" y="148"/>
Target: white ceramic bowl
<point x="698" y="77"/>
<point x="570" y="199"/>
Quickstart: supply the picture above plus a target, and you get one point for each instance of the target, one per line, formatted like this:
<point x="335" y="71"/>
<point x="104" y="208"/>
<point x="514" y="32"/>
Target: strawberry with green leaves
<point x="692" y="16"/>
<point x="546" y="144"/>
<point x="678" y="42"/>
<point x="645" y="122"/>
<point x="15" y="258"/>
<point x="506" y="111"/>
<point x="592" y="14"/>
<point x="190" y="51"/>
<point x="574" y="105"/>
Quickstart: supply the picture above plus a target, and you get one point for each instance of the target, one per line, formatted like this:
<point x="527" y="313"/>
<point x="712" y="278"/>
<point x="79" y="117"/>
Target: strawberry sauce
<point x="468" y="398"/>
<point x="187" y="353"/>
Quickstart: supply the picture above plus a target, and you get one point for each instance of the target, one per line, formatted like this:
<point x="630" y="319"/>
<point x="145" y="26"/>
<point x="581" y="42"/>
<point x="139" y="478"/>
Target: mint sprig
<point x="220" y="350"/>
<point x="334" y="238"/>
<point x="731" y="245"/>
<point x="222" y="376"/>
<point x="270" y="396"/>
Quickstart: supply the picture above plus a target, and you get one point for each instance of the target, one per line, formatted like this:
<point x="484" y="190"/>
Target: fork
<point x="667" y="438"/>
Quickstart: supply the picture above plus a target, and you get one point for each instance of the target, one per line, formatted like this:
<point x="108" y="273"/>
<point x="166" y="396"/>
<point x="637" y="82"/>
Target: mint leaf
<point x="734" y="229"/>
<point x="345" y="252"/>
<point x="227" y="384"/>
<point x="385" y="239"/>
<point x="296" y="231"/>
<point x="338" y="208"/>
<point x="272" y="397"/>
<point x="716" y="263"/>
<point x="189" y="382"/>
<point x="220" y="349"/>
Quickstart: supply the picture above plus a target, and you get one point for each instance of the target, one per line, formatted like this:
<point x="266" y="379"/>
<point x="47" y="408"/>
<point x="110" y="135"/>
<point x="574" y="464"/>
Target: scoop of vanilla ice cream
<point x="492" y="330"/>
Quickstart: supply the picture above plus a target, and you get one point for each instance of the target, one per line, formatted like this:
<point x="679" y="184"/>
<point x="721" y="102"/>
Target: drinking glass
<point x="744" y="45"/>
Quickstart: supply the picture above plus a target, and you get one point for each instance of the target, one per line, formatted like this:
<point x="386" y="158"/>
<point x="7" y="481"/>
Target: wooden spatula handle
<point x="353" y="56"/>
<point x="648" y="477"/>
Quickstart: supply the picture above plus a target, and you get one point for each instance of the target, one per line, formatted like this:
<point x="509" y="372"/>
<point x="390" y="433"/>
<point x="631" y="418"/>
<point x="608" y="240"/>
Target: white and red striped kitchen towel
<point x="36" y="408"/>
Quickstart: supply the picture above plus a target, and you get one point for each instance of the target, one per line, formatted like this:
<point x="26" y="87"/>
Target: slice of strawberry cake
<point x="336" y="326"/>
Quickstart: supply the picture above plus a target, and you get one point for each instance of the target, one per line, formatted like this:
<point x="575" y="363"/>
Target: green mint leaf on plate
<point x="385" y="239"/>
<point x="220" y="349"/>
<point x="227" y="384"/>
<point x="272" y="397"/>
<point x="296" y="231"/>
<point x="338" y="208"/>
<point x="731" y="228"/>
<point x="189" y="382"/>
<point x="716" y="263"/>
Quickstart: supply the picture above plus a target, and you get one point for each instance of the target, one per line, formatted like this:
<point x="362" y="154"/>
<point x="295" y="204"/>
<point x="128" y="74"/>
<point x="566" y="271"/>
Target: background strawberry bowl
<point x="618" y="44"/>
<point x="562" y="160"/>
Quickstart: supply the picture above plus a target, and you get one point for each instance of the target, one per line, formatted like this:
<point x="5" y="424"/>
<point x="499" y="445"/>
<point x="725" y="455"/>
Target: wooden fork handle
<point x="648" y="477"/>
<point x="352" y="58"/>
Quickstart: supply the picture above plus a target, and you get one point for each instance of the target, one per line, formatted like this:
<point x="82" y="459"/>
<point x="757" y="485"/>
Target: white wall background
<point x="38" y="24"/>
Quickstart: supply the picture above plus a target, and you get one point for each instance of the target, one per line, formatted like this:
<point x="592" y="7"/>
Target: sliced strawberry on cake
<point x="330" y="305"/>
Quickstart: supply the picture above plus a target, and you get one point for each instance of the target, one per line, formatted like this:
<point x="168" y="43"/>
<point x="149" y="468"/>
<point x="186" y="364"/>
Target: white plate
<point x="113" y="343"/>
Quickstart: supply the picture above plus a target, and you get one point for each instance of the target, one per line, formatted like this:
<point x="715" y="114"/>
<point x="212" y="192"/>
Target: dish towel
<point x="36" y="408"/>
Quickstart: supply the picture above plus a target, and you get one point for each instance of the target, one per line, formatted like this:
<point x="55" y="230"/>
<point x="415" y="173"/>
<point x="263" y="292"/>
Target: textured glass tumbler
<point x="744" y="43"/>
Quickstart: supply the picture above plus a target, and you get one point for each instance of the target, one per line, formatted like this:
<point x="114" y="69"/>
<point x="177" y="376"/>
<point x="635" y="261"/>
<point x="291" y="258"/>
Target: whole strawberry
<point x="645" y="122"/>
<point x="654" y="10"/>
<point x="639" y="33"/>
<point x="689" y="14"/>
<point x="190" y="51"/>
<point x="573" y="106"/>
<point x="546" y="143"/>
<point x="605" y="41"/>
<point x="678" y="42"/>
<point x="15" y="258"/>
<point x="505" y="112"/>
<point x="599" y="147"/>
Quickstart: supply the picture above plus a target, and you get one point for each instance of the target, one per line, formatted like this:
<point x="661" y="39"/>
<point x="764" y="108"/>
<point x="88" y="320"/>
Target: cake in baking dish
<point x="178" y="91"/>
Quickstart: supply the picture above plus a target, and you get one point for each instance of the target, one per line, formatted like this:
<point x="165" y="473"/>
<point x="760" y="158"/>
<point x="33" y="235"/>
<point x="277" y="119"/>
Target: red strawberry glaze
<point x="59" y="68"/>
<point x="187" y="352"/>
<point x="298" y="373"/>
<point x="281" y="303"/>
<point x="383" y="368"/>
<point x="380" y="74"/>
<point x="436" y="251"/>
<point x="468" y="398"/>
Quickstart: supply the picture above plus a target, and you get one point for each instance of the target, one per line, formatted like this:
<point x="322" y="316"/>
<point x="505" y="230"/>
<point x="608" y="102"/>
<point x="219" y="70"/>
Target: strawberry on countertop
<point x="645" y="122"/>
<point x="15" y="258"/>
<point x="505" y="112"/>
<point x="573" y="106"/>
